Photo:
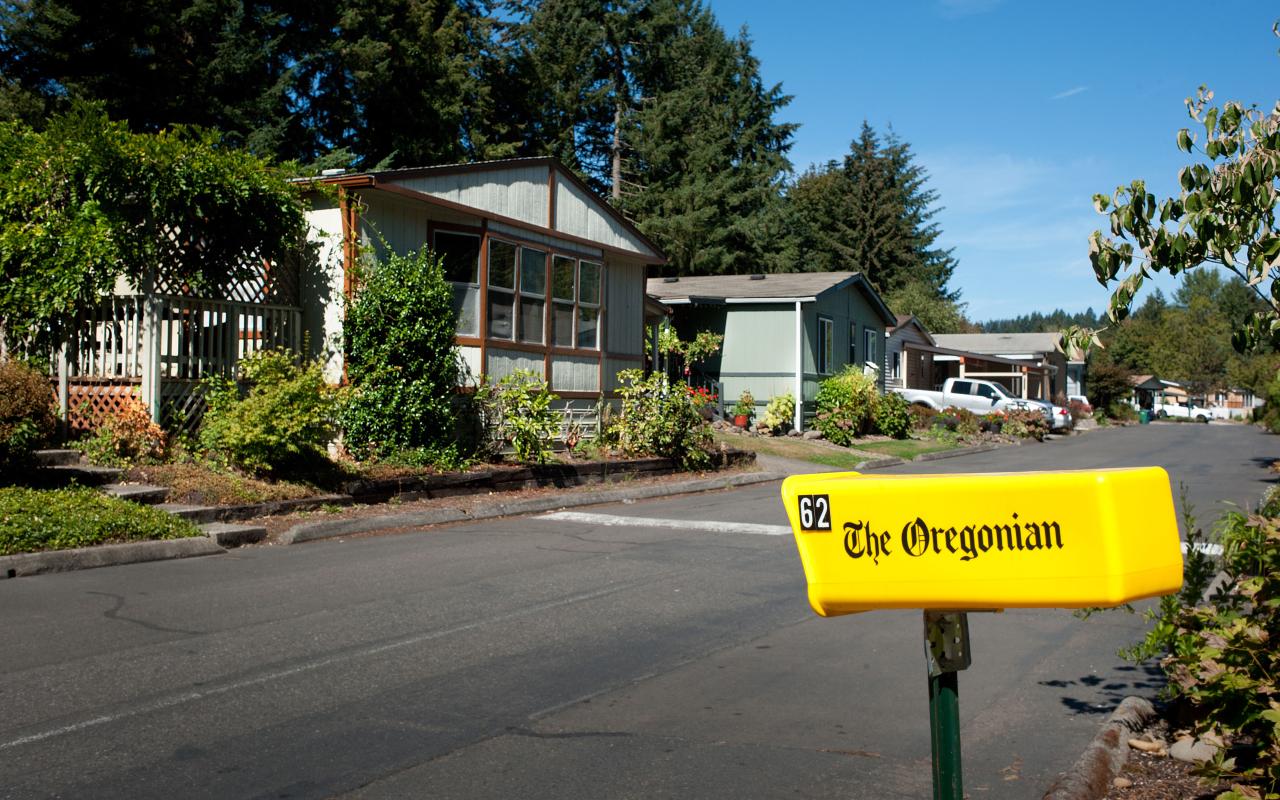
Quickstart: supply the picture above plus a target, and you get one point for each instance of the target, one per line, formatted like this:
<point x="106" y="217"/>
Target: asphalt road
<point x="538" y="657"/>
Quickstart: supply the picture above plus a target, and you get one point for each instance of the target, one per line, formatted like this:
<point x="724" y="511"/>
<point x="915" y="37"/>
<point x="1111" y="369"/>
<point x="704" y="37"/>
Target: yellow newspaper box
<point x="984" y="541"/>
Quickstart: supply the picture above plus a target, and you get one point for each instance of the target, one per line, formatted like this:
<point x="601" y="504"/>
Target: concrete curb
<point x="1090" y="777"/>
<point x="312" y="531"/>
<point x="25" y="564"/>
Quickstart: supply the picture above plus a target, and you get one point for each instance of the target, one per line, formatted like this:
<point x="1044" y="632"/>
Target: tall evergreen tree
<point x="874" y="213"/>
<point x="705" y="155"/>
<point x="225" y="64"/>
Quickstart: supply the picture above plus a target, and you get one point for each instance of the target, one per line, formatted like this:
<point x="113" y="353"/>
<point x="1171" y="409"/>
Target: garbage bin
<point x="1144" y="417"/>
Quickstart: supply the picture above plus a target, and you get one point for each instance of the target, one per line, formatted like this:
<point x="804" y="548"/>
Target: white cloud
<point x="1070" y="93"/>
<point x="973" y="184"/>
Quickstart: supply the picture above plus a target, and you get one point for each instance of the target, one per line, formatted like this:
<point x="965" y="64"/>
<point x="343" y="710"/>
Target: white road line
<point x="712" y="526"/>
<point x="309" y="666"/>
<point x="1207" y="548"/>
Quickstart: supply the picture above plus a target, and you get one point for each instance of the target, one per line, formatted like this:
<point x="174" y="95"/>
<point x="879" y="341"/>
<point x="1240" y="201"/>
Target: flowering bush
<point x="701" y="396"/>
<point x="1028" y="424"/>
<point x="126" y="438"/>
<point x="846" y="406"/>
<point x="780" y="414"/>
<point x="658" y="421"/>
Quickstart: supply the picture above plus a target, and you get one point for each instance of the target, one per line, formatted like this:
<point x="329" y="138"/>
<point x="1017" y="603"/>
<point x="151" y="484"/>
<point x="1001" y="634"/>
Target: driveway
<point x="547" y="657"/>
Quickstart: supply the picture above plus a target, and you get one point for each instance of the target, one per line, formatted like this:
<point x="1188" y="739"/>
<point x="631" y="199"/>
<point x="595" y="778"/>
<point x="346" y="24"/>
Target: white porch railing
<point x="163" y="346"/>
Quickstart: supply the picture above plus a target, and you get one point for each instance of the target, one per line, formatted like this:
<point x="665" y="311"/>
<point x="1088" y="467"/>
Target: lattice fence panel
<point x="182" y="405"/>
<point x="90" y="402"/>
<point x="257" y="281"/>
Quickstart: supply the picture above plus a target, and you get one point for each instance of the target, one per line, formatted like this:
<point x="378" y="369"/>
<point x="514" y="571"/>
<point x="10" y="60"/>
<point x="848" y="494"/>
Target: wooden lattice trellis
<point x="90" y="402"/>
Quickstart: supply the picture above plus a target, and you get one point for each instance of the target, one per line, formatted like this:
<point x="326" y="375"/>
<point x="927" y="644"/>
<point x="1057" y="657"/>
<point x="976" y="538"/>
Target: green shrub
<point x="126" y="438"/>
<point x="27" y="418"/>
<point x="746" y="405"/>
<point x="780" y="414"/>
<point x="658" y="420"/>
<point x="518" y="413"/>
<point x="893" y="417"/>
<point x="1108" y="384"/>
<point x="32" y="520"/>
<point x="1122" y="412"/>
<point x="401" y="360"/>
<point x="1025" y="424"/>
<point x="279" y="416"/>
<point x="845" y="406"/>
<point x="1219" y="653"/>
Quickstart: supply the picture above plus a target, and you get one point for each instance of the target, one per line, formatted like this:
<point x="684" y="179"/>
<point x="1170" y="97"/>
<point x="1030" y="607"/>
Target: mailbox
<point x="986" y="541"/>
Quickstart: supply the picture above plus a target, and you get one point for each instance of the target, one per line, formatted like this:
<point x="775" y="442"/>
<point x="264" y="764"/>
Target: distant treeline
<point x="1037" y="322"/>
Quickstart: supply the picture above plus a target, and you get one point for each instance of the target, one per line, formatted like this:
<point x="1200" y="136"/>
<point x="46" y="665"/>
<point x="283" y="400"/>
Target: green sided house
<point x="783" y="332"/>
<point x="546" y="276"/>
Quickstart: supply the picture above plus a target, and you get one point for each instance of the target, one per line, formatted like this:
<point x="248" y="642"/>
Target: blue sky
<point x="1020" y="111"/>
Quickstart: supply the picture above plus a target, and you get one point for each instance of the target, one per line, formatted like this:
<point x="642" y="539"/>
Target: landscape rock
<point x="1122" y="783"/>
<point x="812" y="434"/>
<point x="794" y="433"/>
<point x="1192" y="751"/>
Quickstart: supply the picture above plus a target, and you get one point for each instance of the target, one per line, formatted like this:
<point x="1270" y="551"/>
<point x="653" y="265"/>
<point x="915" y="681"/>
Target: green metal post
<point x="946" y="647"/>
<point x="944" y="733"/>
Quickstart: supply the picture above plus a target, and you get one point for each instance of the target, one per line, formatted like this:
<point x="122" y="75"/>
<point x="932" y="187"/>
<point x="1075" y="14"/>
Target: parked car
<point x="1061" y="420"/>
<point x="978" y="396"/>
<point x="1190" y="411"/>
<point x="1085" y="405"/>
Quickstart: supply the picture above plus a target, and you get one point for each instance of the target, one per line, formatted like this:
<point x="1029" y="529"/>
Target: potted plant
<point x="744" y="410"/>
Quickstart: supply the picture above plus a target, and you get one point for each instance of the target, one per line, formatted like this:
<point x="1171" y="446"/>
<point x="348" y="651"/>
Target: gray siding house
<point x="782" y="332"/>
<point x="546" y="275"/>
<point x="904" y="367"/>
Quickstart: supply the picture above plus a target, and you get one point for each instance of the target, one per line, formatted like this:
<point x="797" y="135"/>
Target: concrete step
<point x="83" y="474"/>
<point x="226" y="534"/>
<point x="137" y="492"/>
<point x="196" y="514"/>
<point x="56" y="458"/>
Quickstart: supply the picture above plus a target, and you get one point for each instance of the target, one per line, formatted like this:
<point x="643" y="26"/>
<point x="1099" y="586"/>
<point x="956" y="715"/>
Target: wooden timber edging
<point x="452" y="484"/>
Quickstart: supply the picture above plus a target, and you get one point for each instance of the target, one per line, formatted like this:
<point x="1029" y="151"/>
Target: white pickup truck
<point x="977" y="396"/>
<point x="1189" y="411"/>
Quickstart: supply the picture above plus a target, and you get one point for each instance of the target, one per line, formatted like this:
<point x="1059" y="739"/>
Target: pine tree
<point x="873" y="213"/>
<point x="705" y="154"/>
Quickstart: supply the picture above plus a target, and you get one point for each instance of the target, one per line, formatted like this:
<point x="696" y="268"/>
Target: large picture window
<point x="460" y="255"/>
<point x="502" y="289"/>
<point x="826" y="345"/>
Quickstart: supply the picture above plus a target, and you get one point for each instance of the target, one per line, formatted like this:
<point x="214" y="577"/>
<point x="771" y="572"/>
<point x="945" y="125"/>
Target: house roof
<point x="1000" y="343"/>
<point x="775" y="287"/>
<point x="444" y="185"/>
<point x="910" y="319"/>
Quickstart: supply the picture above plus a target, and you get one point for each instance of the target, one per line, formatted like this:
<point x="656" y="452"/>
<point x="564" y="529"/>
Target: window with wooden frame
<point x="826" y="344"/>
<point x="460" y="255"/>
<point x="564" y="294"/>
<point x="589" y="275"/>
<point x="502" y="289"/>
<point x="533" y="295"/>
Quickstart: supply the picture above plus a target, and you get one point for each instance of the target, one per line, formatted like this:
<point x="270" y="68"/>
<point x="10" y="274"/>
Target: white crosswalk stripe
<point x="712" y="526"/>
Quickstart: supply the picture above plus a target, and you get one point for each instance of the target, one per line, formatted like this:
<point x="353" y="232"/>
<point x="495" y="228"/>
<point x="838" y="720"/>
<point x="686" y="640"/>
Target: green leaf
<point x="1184" y="140"/>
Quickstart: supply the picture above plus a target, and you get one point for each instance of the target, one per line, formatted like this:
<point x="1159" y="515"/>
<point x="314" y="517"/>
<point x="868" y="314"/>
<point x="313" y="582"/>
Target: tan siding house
<point x="546" y="275"/>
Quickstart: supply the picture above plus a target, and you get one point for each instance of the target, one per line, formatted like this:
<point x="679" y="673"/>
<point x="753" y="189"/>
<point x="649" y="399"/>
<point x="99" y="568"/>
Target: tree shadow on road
<point x="1144" y="680"/>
